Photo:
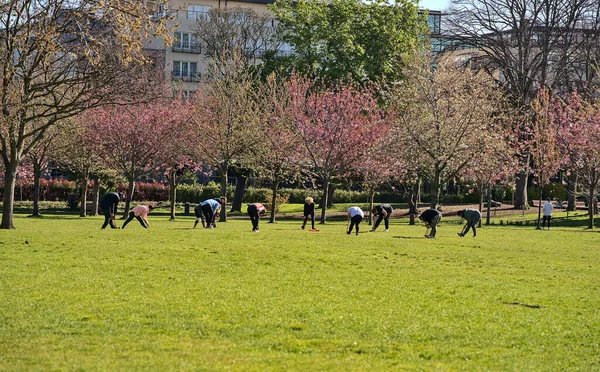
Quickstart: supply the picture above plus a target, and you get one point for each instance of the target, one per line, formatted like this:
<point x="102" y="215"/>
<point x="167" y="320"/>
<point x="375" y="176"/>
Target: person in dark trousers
<point x="383" y="212"/>
<point x="255" y="211"/>
<point x="207" y="211"/>
<point x="108" y="205"/>
<point x="309" y="211"/>
<point x="547" y="208"/>
<point x="472" y="216"/>
<point x="355" y="216"/>
<point x="431" y="218"/>
<point x="141" y="214"/>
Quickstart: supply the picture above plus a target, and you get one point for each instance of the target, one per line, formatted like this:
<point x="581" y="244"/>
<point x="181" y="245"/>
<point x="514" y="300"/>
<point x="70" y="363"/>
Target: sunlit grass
<point x="173" y="298"/>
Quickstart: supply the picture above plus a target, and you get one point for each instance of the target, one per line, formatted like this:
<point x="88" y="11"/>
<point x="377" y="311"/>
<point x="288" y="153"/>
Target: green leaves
<point x="349" y="40"/>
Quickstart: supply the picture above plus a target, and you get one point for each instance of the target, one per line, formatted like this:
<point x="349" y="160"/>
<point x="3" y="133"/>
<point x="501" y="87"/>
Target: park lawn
<point x="74" y="297"/>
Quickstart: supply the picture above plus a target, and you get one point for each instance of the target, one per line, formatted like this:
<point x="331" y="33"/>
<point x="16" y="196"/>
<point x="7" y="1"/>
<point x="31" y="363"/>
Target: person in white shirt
<point x="355" y="215"/>
<point x="547" y="207"/>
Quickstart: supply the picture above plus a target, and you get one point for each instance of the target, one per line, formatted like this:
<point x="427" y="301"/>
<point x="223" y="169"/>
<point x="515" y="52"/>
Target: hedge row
<point x="63" y="190"/>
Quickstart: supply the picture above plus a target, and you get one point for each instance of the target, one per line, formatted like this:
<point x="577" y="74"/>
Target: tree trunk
<point x="8" y="200"/>
<point x="240" y="189"/>
<point x="224" y="181"/>
<point x="37" y="174"/>
<point x="324" y="200"/>
<point x="592" y="200"/>
<point x="489" y="206"/>
<point x="521" y="192"/>
<point x="413" y="201"/>
<point x="273" y="201"/>
<point x="172" y="192"/>
<point x="436" y="189"/>
<point x="480" y="200"/>
<point x="371" y="198"/>
<point x="83" y="188"/>
<point x="95" y="197"/>
<point x="130" y="190"/>
<point x="330" y="191"/>
<point x="539" y="222"/>
<point x="572" y="192"/>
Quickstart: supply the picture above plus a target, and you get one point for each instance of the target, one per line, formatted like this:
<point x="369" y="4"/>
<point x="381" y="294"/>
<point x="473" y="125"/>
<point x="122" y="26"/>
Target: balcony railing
<point x="191" y="15"/>
<point x="187" y="48"/>
<point x="185" y="75"/>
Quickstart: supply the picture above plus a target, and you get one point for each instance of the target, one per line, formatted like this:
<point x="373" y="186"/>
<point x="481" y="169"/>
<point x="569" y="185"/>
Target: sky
<point x="434" y="4"/>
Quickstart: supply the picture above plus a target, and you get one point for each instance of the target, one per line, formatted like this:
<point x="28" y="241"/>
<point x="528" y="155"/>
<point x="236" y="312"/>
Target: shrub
<point x="280" y="200"/>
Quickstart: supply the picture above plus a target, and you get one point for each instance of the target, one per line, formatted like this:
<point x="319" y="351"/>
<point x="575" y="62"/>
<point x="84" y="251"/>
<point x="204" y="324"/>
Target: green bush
<point x="552" y="190"/>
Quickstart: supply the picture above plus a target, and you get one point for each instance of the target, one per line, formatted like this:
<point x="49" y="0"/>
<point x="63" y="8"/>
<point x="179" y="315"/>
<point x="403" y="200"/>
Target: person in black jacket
<point x="108" y="205"/>
<point x="309" y="211"/>
<point x="383" y="212"/>
<point x="431" y="218"/>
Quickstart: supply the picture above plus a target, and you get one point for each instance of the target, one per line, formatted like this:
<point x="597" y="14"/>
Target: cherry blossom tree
<point x="226" y="116"/>
<point x="129" y="139"/>
<point x="579" y="138"/>
<point x="177" y="152"/>
<point x="336" y="125"/>
<point x="377" y="167"/>
<point x="543" y="143"/>
<point x="277" y="159"/>
<point x="58" y="59"/>
<point x="78" y="153"/>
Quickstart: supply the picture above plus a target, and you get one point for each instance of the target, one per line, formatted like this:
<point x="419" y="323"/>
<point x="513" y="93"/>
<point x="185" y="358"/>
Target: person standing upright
<point x="108" y="205"/>
<point x="547" y="208"/>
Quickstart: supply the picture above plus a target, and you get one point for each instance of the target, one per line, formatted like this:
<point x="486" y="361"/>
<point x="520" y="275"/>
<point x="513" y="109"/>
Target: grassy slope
<point x="73" y="296"/>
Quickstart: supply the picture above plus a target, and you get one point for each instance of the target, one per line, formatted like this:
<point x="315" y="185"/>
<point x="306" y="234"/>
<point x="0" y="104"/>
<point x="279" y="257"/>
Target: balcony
<point x="186" y="48"/>
<point x="185" y="75"/>
<point x="192" y="15"/>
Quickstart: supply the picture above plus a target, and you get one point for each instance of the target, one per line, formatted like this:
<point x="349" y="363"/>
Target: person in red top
<point x="141" y="213"/>
<point x="255" y="211"/>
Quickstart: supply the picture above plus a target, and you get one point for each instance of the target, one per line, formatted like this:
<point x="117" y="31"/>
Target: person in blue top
<point x="207" y="211"/>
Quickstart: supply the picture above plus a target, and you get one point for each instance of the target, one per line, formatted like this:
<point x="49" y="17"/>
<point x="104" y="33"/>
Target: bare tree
<point x="57" y="59"/>
<point x="526" y="44"/>
<point x="237" y="30"/>
<point x="446" y="117"/>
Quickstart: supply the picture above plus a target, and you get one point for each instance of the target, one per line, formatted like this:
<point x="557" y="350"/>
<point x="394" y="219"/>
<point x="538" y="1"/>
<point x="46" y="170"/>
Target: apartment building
<point x="184" y="60"/>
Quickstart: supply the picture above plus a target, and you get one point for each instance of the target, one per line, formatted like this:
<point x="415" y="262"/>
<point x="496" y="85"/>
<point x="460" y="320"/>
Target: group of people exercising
<point x="207" y="212"/>
<point x="431" y="218"/>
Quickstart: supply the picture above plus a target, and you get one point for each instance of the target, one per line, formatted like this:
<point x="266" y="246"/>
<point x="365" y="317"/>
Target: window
<point x="185" y="42"/>
<point x="185" y="70"/>
<point x="183" y="94"/>
<point x="198" y="11"/>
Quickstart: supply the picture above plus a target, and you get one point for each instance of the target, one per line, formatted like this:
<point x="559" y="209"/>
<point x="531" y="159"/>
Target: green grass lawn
<point x="74" y="297"/>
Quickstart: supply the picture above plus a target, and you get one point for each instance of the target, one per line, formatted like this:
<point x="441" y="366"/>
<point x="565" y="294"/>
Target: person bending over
<point x="141" y="214"/>
<point x="207" y="212"/>
<point x="383" y="212"/>
<point x="255" y="211"/>
<point x="431" y="218"/>
<point x="472" y="216"/>
<point x="355" y="215"/>
<point x="108" y="205"/>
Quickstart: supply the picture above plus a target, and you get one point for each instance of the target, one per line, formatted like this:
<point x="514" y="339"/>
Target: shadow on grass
<point x="407" y="237"/>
